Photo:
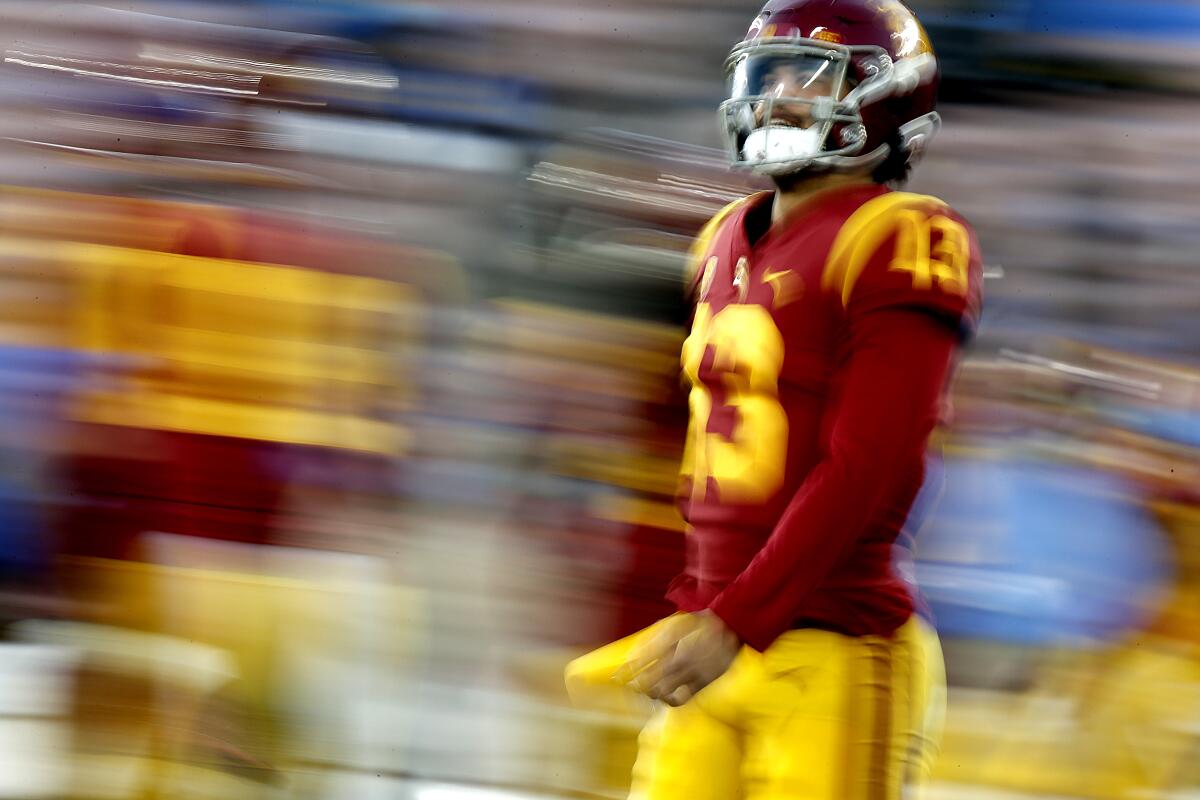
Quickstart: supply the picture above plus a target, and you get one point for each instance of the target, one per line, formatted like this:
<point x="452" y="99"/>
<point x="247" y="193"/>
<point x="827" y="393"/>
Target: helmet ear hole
<point x="916" y="134"/>
<point x="852" y="134"/>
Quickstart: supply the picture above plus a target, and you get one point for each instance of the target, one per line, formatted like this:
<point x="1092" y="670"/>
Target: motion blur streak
<point x="340" y="405"/>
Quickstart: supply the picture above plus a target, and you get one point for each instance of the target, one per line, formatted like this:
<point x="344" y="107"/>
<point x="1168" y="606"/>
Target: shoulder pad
<point x="704" y="240"/>
<point x="865" y="231"/>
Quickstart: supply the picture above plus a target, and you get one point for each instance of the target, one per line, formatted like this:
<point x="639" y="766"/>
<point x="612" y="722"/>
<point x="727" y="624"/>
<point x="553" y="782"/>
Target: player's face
<point x="805" y="80"/>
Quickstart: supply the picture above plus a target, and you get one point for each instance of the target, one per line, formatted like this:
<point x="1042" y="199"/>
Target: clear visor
<point x="794" y="76"/>
<point x="785" y="99"/>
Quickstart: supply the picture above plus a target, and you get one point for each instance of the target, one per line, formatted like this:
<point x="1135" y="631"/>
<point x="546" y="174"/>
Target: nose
<point x="792" y="112"/>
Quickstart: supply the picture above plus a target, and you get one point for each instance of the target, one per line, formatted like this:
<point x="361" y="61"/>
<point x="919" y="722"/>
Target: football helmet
<point x="829" y="85"/>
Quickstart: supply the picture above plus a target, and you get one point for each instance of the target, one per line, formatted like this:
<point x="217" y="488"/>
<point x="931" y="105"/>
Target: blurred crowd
<point x="340" y="406"/>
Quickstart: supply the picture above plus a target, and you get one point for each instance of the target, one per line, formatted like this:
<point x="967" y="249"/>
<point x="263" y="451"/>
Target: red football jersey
<point x="817" y="357"/>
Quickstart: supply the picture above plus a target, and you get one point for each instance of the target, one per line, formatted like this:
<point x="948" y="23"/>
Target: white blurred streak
<point x="393" y="143"/>
<point x="940" y="581"/>
<point x="161" y="53"/>
<point x="658" y="150"/>
<point x="184" y="167"/>
<point x="700" y="188"/>
<point x="172" y="132"/>
<point x="197" y="666"/>
<point x="1147" y="390"/>
<point x="1167" y="370"/>
<point x="34" y="731"/>
<point x="450" y="792"/>
<point x="613" y="187"/>
<point x="170" y="78"/>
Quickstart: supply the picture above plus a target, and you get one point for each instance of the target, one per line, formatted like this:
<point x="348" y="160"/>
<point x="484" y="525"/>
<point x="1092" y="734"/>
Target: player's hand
<point x="687" y="654"/>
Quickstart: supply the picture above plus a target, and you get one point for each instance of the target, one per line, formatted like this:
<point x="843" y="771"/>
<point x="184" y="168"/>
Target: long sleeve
<point x="885" y="405"/>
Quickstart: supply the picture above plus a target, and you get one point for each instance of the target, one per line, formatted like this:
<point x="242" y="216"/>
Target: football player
<point x="827" y="316"/>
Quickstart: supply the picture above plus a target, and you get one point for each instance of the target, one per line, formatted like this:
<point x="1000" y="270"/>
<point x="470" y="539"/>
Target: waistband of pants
<point x="808" y="623"/>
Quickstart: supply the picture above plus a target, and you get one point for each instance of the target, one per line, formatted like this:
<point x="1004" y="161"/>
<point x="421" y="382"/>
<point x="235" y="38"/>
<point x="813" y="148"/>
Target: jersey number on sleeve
<point x="944" y="263"/>
<point x="747" y="465"/>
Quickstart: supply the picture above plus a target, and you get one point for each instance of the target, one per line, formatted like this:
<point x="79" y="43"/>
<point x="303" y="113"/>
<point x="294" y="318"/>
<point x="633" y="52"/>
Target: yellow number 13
<point x="747" y="465"/>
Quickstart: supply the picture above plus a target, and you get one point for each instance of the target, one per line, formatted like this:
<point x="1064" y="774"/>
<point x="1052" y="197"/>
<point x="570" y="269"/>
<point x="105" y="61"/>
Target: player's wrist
<point x="720" y="625"/>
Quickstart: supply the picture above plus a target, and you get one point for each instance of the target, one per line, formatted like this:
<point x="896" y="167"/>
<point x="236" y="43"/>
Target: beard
<point x="796" y="180"/>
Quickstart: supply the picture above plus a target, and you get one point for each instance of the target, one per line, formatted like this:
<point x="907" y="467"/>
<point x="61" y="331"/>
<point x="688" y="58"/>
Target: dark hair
<point x="895" y="168"/>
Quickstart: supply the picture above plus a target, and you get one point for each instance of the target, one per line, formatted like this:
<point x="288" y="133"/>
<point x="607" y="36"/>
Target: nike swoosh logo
<point x="784" y="291"/>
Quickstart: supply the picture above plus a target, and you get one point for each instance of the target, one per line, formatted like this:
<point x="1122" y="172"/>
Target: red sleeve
<point x="905" y="271"/>
<point x="889" y="391"/>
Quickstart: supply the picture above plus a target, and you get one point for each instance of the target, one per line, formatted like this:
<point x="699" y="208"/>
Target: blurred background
<point x="340" y="403"/>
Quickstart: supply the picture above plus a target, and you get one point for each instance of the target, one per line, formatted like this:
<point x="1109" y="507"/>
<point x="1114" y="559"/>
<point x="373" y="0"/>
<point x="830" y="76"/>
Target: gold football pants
<point x="818" y="716"/>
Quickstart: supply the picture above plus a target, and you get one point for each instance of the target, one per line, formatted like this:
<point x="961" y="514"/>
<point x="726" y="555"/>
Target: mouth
<point x="785" y="123"/>
<point x="783" y="118"/>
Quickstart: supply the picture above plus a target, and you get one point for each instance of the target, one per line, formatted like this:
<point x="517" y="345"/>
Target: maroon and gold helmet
<point x="829" y="85"/>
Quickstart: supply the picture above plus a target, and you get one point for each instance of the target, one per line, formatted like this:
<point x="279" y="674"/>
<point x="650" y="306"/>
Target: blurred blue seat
<point x="1035" y="553"/>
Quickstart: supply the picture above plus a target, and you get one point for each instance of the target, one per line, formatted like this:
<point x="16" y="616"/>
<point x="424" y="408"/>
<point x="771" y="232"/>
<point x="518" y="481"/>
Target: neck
<point x="788" y="200"/>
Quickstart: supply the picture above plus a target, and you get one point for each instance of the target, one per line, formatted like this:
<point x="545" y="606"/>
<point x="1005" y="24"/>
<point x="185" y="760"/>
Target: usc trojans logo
<point x="760" y="30"/>
<point x="908" y="37"/>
